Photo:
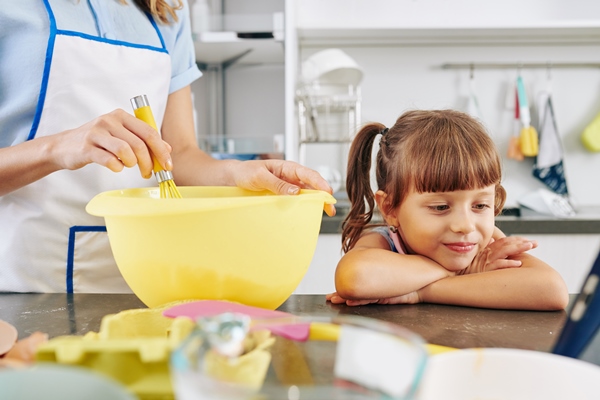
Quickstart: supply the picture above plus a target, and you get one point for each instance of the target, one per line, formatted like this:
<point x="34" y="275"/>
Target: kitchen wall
<point x="402" y="44"/>
<point x="402" y="77"/>
<point x="406" y="74"/>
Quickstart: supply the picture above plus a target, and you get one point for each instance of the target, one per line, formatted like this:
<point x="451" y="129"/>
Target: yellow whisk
<point x="142" y="110"/>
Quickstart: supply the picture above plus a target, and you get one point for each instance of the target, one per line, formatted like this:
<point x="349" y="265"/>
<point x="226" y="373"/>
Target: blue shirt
<point x="24" y="32"/>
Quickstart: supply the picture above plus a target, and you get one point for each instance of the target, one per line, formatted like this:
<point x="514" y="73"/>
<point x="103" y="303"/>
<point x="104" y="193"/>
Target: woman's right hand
<point x="499" y="254"/>
<point x="114" y="140"/>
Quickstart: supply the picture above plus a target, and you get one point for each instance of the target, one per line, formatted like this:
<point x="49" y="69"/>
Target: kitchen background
<point x="247" y="105"/>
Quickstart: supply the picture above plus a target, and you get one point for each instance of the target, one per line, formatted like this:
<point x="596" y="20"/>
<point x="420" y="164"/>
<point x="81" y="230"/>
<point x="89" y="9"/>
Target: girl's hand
<point x="281" y="177"/>
<point x="498" y="254"/>
<point x="114" y="140"/>
<point x="409" y="298"/>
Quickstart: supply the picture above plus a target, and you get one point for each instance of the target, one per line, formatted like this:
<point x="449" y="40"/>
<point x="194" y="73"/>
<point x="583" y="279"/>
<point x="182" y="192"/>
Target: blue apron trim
<point x="111" y="41"/>
<point x="50" y="52"/>
<point x="71" y="250"/>
<point x="153" y="22"/>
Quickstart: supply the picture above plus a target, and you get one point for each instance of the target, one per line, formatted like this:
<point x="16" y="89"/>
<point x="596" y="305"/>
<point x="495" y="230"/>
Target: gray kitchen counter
<point x="461" y="327"/>
<point x="587" y="221"/>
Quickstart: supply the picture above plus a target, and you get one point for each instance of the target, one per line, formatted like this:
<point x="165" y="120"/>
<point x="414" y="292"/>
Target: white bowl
<point x="331" y="66"/>
<point x="508" y="374"/>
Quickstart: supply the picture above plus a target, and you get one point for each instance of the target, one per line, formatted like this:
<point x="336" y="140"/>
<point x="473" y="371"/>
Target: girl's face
<point x="450" y="227"/>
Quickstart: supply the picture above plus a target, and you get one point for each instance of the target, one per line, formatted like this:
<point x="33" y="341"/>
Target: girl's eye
<point x="482" y="206"/>
<point x="441" y="207"/>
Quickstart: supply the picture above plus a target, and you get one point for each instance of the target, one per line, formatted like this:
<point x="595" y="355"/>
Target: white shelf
<point x="233" y="41"/>
<point x="221" y="47"/>
<point x="381" y="22"/>
<point x="452" y="36"/>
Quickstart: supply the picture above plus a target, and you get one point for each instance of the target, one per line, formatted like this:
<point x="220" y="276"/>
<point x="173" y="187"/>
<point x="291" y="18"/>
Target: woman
<point x="67" y="72"/>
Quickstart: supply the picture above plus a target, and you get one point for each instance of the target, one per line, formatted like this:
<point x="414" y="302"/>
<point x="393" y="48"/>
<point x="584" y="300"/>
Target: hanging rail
<point x="551" y="65"/>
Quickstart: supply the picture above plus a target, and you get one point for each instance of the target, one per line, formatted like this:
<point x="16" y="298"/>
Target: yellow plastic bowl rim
<point x="146" y="201"/>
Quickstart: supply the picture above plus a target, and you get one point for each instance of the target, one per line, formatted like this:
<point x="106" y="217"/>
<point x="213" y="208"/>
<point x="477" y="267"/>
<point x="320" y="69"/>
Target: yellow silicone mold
<point x="132" y="347"/>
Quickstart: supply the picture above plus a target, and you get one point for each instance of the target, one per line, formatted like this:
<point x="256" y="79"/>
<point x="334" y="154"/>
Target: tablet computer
<point x="580" y="336"/>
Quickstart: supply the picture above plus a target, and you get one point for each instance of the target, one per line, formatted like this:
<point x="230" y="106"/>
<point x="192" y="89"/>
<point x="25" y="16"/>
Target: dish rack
<point x="327" y="114"/>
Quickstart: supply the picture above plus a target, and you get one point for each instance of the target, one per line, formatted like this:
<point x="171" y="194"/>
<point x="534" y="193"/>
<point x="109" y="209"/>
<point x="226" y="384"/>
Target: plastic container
<point x="344" y="358"/>
<point x="331" y="66"/>
<point x="216" y="243"/>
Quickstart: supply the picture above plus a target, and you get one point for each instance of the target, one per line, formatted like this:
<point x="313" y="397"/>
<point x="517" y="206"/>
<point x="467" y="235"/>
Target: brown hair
<point x="160" y="9"/>
<point x="428" y="151"/>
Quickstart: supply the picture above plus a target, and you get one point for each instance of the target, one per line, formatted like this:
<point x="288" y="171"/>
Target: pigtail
<point x="358" y="185"/>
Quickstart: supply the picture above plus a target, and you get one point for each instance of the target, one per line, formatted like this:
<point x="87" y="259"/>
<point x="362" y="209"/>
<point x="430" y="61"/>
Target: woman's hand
<point x="281" y="177"/>
<point x="498" y="254"/>
<point x="114" y="140"/>
<point x="409" y="298"/>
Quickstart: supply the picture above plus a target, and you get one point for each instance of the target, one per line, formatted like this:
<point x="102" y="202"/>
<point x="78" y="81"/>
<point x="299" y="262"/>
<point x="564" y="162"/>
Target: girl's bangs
<point x="456" y="169"/>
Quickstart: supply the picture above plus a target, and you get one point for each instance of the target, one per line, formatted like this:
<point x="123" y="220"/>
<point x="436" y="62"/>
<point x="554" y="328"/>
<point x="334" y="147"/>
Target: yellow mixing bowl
<point x="217" y="243"/>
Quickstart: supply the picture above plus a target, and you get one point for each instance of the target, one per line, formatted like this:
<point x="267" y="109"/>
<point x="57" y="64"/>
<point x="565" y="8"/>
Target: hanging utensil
<point x="514" y="146"/>
<point x="473" y="103"/>
<point x="528" y="139"/>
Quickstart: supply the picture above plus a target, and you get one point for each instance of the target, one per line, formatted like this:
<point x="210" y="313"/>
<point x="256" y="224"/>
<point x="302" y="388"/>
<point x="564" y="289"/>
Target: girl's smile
<point x="461" y="247"/>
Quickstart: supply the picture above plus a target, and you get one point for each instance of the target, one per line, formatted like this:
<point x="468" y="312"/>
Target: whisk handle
<point x="142" y="111"/>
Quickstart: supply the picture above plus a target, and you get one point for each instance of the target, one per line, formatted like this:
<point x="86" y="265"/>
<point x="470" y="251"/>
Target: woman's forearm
<point x="25" y="163"/>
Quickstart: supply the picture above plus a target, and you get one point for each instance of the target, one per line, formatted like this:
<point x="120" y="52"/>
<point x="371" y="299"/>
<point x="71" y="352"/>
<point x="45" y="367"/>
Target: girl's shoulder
<point x="385" y="232"/>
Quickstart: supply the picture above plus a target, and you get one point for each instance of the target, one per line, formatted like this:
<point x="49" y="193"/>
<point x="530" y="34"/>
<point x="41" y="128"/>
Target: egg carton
<point x="133" y="347"/>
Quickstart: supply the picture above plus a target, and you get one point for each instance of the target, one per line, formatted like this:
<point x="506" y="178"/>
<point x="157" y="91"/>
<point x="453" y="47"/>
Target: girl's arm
<point x="371" y="271"/>
<point x="533" y="286"/>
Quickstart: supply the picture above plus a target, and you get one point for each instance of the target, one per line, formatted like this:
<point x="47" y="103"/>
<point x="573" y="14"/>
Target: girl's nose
<point x="462" y="222"/>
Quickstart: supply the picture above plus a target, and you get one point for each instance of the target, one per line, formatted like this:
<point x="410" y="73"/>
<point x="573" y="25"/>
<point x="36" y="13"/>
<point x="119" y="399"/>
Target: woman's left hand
<point x="281" y="177"/>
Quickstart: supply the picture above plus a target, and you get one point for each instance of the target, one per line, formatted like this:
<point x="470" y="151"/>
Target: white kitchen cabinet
<point x="320" y="276"/>
<point x="571" y="255"/>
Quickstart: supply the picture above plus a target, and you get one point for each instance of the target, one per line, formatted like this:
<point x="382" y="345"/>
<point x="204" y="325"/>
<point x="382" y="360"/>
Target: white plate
<point x="508" y="374"/>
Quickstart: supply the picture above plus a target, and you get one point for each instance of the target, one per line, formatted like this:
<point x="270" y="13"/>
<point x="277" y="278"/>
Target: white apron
<point x="48" y="243"/>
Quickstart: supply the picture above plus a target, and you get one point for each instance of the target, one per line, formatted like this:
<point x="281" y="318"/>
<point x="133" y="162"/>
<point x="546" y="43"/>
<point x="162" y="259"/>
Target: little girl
<point x="438" y="176"/>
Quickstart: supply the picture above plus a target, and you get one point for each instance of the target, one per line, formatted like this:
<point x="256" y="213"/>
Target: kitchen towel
<point x="472" y="103"/>
<point x="548" y="166"/>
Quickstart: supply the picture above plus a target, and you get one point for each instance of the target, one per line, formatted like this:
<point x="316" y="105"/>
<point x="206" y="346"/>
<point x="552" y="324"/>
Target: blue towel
<point x="548" y="166"/>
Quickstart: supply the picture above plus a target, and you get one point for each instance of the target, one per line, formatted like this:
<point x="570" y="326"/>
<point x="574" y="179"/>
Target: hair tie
<point x="383" y="131"/>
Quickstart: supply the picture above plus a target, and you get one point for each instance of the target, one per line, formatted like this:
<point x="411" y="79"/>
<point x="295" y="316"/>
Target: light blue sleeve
<point x="179" y="42"/>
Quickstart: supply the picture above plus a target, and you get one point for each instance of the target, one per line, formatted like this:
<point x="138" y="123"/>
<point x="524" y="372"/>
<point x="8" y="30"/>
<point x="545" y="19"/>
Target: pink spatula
<point x="209" y="308"/>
